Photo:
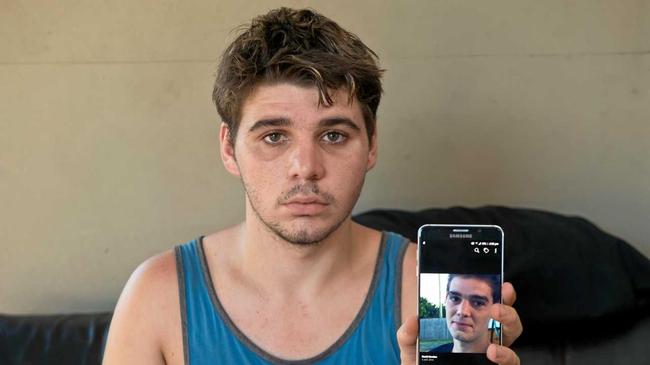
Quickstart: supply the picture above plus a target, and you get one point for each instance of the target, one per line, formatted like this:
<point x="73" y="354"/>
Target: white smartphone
<point x="460" y="274"/>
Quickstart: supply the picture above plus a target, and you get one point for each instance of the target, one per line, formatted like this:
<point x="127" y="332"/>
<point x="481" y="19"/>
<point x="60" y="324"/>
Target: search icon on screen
<point x="477" y="250"/>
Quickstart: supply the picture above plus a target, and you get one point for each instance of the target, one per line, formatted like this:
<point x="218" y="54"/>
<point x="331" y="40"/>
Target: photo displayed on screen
<point x="455" y="312"/>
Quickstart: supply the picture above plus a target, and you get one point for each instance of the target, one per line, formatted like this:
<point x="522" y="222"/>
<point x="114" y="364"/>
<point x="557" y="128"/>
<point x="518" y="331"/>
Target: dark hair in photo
<point x="494" y="281"/>
<point x="301" y="47"/>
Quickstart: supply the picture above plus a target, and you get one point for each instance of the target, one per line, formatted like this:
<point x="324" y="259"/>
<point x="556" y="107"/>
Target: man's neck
<point x="278" y="267"/>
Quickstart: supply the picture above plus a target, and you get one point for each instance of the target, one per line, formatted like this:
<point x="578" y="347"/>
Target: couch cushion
<point x="53" y="339"/>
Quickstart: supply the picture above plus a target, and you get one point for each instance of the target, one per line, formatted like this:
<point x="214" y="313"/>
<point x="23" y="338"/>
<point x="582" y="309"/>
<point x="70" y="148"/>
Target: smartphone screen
<point x="460" y="275"/>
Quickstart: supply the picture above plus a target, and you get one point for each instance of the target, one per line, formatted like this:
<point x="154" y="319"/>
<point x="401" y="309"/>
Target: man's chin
<point x="303" y="237"/>
<point x="305" y="234"/>
<point x="303" y="230"/>
<point x="462" y="337"/>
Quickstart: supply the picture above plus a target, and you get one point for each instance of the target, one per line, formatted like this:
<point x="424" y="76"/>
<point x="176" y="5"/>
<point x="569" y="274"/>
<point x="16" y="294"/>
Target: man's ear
<point x="372" y="152"/>
<point x="227" y="150"/>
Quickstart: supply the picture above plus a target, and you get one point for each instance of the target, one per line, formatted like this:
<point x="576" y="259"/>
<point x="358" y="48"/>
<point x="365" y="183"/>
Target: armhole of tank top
<point x="405" y="243"/>
<point x="180" y="273"/>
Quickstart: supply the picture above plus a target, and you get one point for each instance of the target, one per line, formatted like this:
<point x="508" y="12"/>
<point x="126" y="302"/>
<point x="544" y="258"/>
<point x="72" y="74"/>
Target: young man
<point x="467" y="306"/>
<point x="297" y="281"/>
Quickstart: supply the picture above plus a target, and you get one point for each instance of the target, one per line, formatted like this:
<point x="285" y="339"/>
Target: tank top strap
<point x="395" y="248"/>
<point x="193" y="290"/>
<point x="205" y="334"/>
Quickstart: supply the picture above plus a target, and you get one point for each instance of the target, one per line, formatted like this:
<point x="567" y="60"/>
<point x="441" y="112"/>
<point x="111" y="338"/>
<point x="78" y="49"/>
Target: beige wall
<point x="108" y="139"/>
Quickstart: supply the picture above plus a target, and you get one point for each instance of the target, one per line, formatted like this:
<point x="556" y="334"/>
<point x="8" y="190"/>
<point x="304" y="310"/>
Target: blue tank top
<point x="210" y="336"/>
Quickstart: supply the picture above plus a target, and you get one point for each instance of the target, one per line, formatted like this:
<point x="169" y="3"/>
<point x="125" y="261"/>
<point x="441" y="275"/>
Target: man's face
<point x="302" y="165"/>
<point x="468" y="307"/>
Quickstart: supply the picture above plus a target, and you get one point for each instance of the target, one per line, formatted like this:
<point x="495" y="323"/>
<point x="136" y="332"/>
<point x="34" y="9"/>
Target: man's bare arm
<point x="146" y="308"/>
<point x="409" y="283"/>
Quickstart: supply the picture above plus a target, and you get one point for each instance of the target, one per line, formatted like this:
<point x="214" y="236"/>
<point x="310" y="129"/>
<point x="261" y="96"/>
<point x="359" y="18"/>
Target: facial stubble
<point x="302" y="237"/>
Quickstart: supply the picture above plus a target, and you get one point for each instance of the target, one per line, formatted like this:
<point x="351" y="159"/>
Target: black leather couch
<point x="583" y="295"/>
<point x="75" y="339"/>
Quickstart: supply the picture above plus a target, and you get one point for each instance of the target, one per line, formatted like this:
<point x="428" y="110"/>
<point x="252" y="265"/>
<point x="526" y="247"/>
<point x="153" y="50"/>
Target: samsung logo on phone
<point x="460" y="235"/>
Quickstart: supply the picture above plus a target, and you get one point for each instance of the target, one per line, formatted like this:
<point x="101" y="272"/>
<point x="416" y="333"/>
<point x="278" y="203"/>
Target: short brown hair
<point x="302" y="47"/>
<point x="493" y="280"/>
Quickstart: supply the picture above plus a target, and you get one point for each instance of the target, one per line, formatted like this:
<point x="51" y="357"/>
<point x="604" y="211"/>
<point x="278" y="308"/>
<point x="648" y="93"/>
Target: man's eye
<point x="454" y="298"/>
<point x="478" y="303"/>
<point x="333" y="137"/>
<point x="274" y="138"/>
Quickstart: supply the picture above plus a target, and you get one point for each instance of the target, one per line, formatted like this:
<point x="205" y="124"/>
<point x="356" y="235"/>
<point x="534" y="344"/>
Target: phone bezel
<point x="419" y="248"/>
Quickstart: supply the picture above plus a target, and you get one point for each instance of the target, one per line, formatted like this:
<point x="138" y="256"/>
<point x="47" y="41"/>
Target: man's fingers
<point x="502" y="355"/>
<point x="510" y="322"/>
<point x="507" y="315"/>
<point x="406" y="338"/>
<point x="408" y="332"/>
<point x="508" y="294"/>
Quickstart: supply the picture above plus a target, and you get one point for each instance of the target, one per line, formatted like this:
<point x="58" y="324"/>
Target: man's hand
<point x="511" y="325"/>
<point x="407" y="335"/>
<point x="504" y="313"/>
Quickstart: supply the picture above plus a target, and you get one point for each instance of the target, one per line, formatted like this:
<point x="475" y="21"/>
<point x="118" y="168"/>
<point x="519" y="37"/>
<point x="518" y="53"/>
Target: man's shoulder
<point x="154" y="277"/>
<point x="409" y="263"/>
<point x="158" y="266"/>
<point x="400" y="239"/>
<point x="409" y="281"/>
<point x="146" y="320"/>
<point x="155" y="280"/>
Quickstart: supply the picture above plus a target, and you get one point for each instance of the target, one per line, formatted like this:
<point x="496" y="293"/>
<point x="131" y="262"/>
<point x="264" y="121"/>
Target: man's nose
<point x="306" y="161"/>
<point x="464" y="308"/>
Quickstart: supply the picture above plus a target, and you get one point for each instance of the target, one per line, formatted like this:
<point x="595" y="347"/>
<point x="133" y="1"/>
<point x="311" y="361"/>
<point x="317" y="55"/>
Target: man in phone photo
<point x="468" y="301"/>
<point x="297" y="279"/>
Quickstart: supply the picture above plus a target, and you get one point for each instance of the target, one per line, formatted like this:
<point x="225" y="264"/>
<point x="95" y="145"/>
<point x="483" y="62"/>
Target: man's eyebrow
<point x="334" y="121"/>
<point x="472" y="297"/>
<point x="273" y="122"/>
<point x="478" y="297"/>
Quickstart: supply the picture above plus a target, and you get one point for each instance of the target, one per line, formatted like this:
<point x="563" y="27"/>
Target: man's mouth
<point x="306" y="200"/>
<point x="461" y="325"/>
<point x="305" y="206"/>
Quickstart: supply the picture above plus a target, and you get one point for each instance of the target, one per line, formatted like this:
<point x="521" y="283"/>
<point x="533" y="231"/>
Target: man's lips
<point x="306" y="200"/>
<point x="305" y="206"/>
<point x="461" y="325"/>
